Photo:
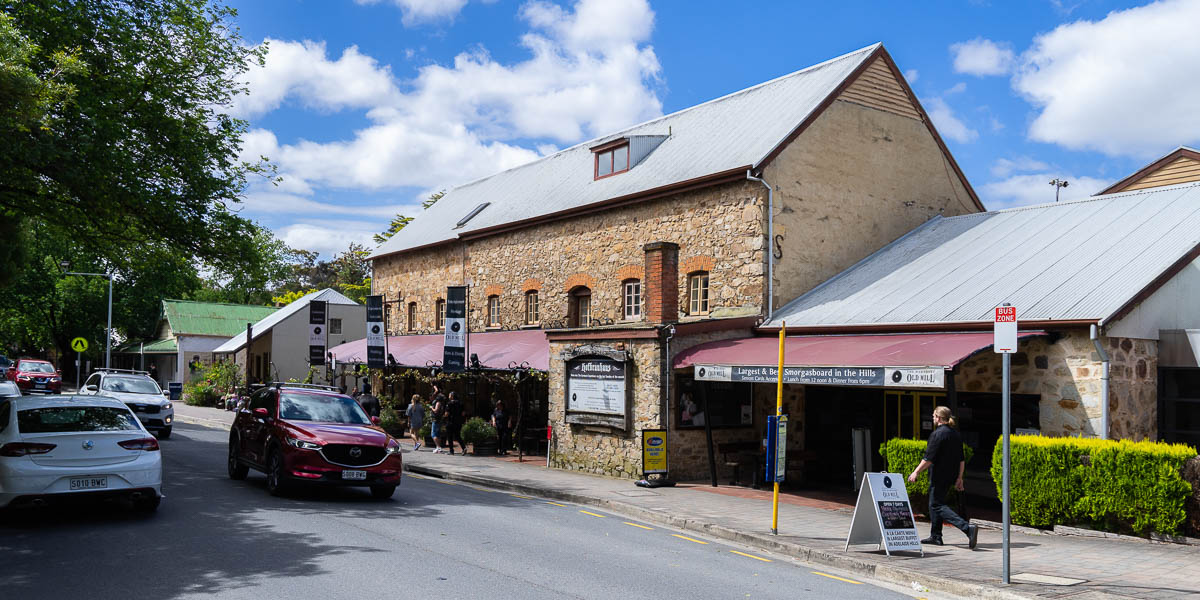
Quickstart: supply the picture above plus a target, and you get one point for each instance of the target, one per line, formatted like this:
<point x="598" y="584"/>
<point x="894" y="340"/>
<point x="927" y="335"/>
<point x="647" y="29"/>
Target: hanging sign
<point x="1005" y="330"/>
<point x="654" y="451"/>
<point x="909" y="377"/>
<point x="776" y="448"/>
<point x="376" y="340"/>
<point x="883" y="515"/>
<point x="316" y="332"/>
<point x="454" y="344"/>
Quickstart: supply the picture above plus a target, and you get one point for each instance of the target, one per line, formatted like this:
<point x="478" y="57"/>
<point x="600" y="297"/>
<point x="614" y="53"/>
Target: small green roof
<point x="151" y="347"/>
<point x="212" y="318"/>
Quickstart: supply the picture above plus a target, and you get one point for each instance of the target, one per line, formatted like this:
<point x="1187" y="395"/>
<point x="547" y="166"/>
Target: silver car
<point x="140" y="393"/>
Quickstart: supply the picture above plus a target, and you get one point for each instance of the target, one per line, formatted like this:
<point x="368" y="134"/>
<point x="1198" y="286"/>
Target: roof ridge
<point x="1096" y="198"/>
<point x="219" y="303"/>
<point x="595" y="140"/>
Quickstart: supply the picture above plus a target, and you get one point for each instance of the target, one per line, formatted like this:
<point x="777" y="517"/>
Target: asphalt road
<point x="433" y="539"/>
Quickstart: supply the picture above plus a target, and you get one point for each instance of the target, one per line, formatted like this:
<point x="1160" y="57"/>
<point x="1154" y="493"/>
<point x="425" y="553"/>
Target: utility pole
<point x="1058" y="184"/>
<point x="108" y="330"/>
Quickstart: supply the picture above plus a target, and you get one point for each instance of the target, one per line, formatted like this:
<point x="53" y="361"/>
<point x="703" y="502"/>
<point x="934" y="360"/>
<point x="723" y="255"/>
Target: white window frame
<point x="631" y="303"/>
<point x="698" y="293"/>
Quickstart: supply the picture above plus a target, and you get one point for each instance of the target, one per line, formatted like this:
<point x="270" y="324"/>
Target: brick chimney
<point x="662" y="282"/>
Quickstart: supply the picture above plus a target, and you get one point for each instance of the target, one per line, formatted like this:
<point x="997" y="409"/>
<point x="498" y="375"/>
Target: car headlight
<point x="303" y="445"/>
<point x="54" y="379"/>
<point x="168" y="406"/>
<point x="393" y="447"/>
<point x="23" y="378"/>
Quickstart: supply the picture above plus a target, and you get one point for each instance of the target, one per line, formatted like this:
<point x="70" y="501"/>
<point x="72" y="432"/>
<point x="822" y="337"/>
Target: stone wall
<point x="1067" y="374"/>
<point x="718" y="229"/>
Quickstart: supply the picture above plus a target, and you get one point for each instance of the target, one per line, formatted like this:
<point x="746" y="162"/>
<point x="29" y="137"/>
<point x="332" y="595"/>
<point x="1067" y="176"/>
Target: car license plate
<point x="89" y="483"/>
<point x="361" y="475"/>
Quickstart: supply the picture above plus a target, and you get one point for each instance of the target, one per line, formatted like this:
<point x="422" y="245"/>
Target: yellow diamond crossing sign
<point x="79" y="344"/>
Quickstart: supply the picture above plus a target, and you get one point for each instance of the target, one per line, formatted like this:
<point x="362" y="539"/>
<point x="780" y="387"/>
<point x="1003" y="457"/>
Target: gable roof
<point x="709" y="143"/>
<point x="264" y="325"/>
<point x="1188" y="155"/>
<point x="1066" y="263"/>
<point x="216" y="319"/>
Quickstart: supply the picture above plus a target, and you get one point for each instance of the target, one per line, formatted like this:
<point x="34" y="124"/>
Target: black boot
<point x="972" y="536"/>
<point x="933" y="541"/>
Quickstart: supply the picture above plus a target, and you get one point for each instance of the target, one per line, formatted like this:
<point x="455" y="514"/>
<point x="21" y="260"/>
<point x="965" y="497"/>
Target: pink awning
<point x="496" y="349"/>
<point x="876" y="350"/>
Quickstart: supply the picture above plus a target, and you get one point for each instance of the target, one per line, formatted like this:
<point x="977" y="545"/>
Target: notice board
<point x="883" y="515"/>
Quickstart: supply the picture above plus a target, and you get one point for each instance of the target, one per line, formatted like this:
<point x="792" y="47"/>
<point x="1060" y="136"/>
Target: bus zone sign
<point x="1005" y="330"/>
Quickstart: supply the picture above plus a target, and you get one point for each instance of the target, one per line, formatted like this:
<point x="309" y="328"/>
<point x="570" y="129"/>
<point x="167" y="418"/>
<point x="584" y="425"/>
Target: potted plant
<point x="481" y="435"/>
<point x="389" y="420"/>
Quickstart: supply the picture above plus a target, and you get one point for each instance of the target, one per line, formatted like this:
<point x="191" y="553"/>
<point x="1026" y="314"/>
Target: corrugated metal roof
<point x="496" y="349"/>
<point x="735" y="131"/>
<point x="261" y="327"/>
<point x="211" y="318"/>
<point x="167" y="346"/>
<point x="1081" y="260"/>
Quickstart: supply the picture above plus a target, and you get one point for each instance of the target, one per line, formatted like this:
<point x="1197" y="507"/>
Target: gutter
<point x="770" y="242"/>
<point x="1095" y="335"/>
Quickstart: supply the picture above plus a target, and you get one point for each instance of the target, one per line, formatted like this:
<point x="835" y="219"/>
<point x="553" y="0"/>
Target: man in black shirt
<point x="944" y="454"/>
<point x="368" y="401"/>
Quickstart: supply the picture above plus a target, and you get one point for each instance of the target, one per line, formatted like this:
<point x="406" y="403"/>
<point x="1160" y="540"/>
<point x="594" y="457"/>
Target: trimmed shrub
<point x="477" y="431"/>
<point x="1113" y="485"/>
<point x="389" y="420"/>
<point x="903" y="455"/>
<point x="201" y="393"/>
<point x="1191" y="474"/>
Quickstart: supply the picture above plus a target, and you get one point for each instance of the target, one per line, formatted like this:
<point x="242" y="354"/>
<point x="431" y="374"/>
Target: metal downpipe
<point x="770" y="242"/>
<point x="1095" y="335"/>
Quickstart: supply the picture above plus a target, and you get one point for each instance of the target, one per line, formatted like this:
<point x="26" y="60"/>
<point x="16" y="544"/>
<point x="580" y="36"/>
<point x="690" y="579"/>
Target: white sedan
<point x="76" y="447"/>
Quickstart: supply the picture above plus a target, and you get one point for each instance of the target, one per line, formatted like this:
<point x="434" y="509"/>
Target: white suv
<point x="140" y="393"/>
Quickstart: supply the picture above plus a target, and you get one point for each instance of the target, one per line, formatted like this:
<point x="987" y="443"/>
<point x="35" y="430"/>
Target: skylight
<point x="471" y="215"/>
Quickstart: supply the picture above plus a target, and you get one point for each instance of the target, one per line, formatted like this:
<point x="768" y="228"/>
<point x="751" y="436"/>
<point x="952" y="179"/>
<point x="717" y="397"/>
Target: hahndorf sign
<point x="376" y="337"/>
<point x="317" y="335"/>
<point x="596" y="384"/>
<point x="454" y="345"/>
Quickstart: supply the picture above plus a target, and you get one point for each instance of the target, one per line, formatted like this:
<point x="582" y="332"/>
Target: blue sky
<point x="367" y="106"/>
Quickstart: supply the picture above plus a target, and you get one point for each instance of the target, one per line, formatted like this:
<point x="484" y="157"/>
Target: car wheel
<point x="237" y="471"/>
<point x="382" y="492"/>
<point x="276" y="485"/>
<point x="164" y="433"/>
<point x="147" y="505"/>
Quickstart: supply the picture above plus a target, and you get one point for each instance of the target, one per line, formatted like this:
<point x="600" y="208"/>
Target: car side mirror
<point x="89" y="388"/>
<point x="261" y="412"/>
<point x="375" y="420"/>
<point x="167" y="393"/>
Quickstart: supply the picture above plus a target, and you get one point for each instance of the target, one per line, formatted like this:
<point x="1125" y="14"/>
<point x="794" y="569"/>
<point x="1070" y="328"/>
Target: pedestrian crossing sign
<point x="79" y="344"/>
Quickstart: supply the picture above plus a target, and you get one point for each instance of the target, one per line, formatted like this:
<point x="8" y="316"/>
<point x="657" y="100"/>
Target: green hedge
<point x="477" y="431"/>
<point x="904" y="455"/>
<point x="1113" y="485"/>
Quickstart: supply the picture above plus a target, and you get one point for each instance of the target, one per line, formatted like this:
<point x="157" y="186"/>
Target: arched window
<point x="579" y="309"/>
<point x="531" y="307"/>
<point x="412" y="316"/>
<point x="439" y="312"/>
<point x="698" y="293"/>
<point x="493" y="311"/>
<point x="631" y="299"/>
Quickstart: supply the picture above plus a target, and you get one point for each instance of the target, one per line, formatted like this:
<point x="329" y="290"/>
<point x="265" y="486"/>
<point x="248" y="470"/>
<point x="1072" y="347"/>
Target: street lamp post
<point x="108" y="329"/>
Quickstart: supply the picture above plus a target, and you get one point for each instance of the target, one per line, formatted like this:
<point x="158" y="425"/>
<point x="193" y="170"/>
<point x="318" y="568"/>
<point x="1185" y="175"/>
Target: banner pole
<point x="778" y="412"/>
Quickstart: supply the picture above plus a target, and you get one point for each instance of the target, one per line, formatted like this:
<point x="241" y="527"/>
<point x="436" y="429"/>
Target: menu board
<point x="891" y="525"/>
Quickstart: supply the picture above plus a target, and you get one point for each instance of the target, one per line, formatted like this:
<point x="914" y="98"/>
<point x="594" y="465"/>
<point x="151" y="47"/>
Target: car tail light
<point x="146" y="443"/>
<point x="25" y="448"/>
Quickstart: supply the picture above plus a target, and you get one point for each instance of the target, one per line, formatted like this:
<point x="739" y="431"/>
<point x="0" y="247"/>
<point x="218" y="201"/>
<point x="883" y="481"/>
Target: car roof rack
<point x="307" y="386"/>
<point x="126" y="371"/>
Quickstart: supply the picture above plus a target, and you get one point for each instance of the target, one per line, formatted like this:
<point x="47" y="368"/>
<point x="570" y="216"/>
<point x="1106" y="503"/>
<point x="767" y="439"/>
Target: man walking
<point x="944" y="454"/>
<point x="368" y="401"/>
<point x="454" y="422"/>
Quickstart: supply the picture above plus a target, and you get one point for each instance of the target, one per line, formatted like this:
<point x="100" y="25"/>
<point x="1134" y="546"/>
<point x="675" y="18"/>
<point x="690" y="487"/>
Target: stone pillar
<point x="662" y="282"/>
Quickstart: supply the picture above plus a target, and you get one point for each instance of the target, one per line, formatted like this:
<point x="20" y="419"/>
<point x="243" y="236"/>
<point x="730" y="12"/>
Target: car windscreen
<point x="130" y="385"/>
<point x="59" y="419"/>
<point x="321" y="409"/>
<point x="35" y="367"/>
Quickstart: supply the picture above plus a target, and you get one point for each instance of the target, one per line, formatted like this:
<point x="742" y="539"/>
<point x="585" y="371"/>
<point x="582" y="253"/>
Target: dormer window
<point x="612" y="159"/>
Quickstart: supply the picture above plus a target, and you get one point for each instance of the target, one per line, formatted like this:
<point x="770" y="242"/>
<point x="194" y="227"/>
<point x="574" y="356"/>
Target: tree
<point x="113" y="116"/>
<point x="400" y="221"/>
<point x="264" y="268"/>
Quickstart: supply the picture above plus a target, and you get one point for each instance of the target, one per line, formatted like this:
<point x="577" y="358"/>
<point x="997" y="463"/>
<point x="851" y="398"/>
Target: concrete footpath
<point x="813" y="529"/>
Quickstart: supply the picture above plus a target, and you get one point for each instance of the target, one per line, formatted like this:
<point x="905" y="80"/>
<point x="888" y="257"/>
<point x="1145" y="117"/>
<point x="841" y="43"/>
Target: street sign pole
<point x="1005" y="343"/>
<point x="778" y="413"/>
<point x="78" y="362"/>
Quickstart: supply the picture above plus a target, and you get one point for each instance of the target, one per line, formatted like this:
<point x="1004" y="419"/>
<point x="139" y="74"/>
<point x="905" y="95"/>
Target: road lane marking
<point x="836" y="577"/>
<point x="520" y="496"/>
<point x="684" y="537"/>
<point x="638" y="526"/>
<point x="751" y="556"/>
<point x="555" y="503"/>
<point x="591" y="513"/>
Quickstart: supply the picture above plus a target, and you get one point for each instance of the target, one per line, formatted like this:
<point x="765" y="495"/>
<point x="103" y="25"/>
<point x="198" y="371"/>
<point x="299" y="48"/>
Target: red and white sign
<point x="1005" y="330"/>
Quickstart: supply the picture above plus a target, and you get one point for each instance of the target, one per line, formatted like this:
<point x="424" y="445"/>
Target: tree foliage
<point x="113" y="118"/>
<point x="400" y="221"/>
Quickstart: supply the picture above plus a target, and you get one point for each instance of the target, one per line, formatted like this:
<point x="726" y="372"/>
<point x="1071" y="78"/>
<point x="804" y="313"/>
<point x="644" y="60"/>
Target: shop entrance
<point x="906" y="414"/>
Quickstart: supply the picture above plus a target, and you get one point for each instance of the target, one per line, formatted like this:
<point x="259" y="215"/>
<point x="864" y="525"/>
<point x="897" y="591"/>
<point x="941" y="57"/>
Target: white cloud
<point x="281" y="203"/>
<point x="589" y="72"/>
<point x="911" y="76"/>
<point x="957" y="88"/>
<point x="1022" y="190"/>
<point x="1006" y="166"/>
<point x="301" y="70"/>
<point x="329" y="237"/>
<point x="981" y="57"/>
<point x="419" y="11"/>
<point x="1124" y="85"/>
<point x="947" y="123"/>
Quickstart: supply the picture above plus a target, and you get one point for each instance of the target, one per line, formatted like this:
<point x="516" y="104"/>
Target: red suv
<point x="298" y="433"/>
<point x="35" y="377"/>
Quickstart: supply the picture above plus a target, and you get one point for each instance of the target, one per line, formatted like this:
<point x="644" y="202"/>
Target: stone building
<point x="1105" y="293"/>
<point x="686" y="229"/>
